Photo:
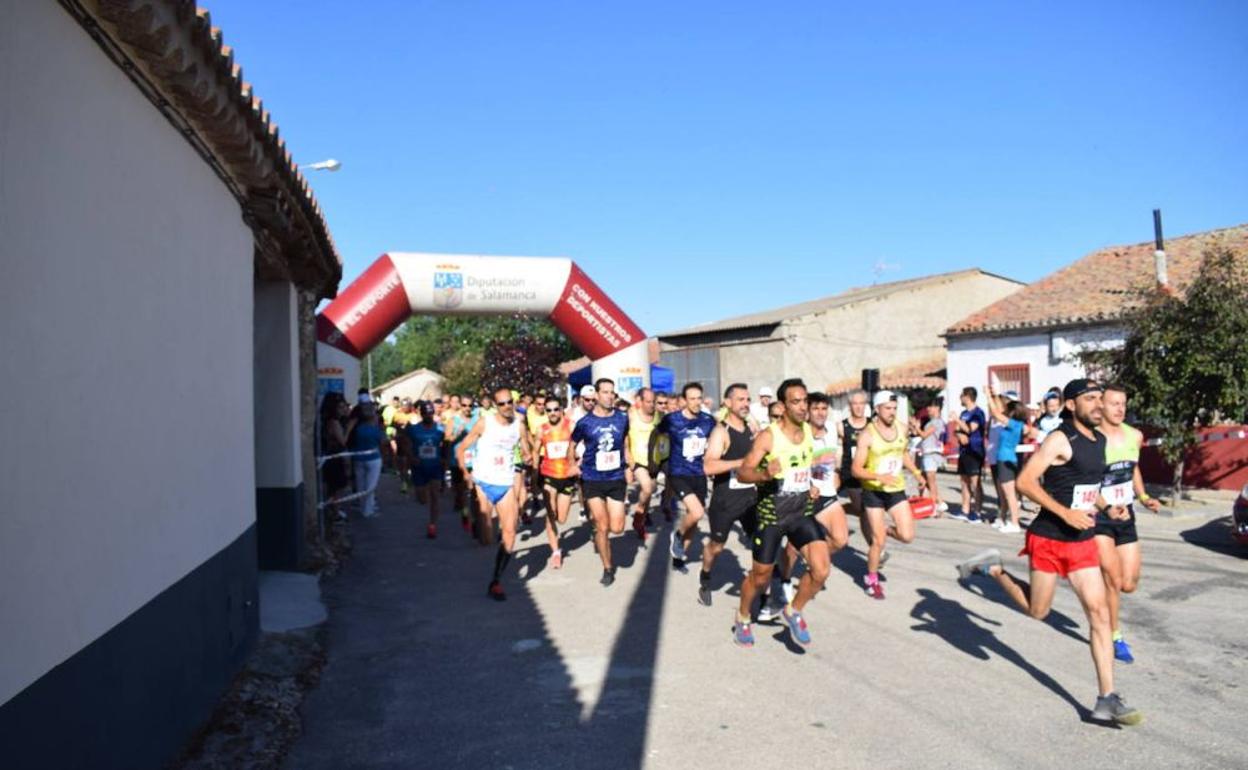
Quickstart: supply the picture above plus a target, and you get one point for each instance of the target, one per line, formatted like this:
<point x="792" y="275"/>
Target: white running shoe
<point x="1011" y="529"/>
<point x="996" y="524"/>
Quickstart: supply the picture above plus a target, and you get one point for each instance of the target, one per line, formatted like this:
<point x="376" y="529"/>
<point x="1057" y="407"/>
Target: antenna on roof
<point x="880" y="267"/>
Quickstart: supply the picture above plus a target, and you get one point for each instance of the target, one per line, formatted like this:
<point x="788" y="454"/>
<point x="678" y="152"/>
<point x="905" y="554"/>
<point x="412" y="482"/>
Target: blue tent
<point x="661" y="378"/>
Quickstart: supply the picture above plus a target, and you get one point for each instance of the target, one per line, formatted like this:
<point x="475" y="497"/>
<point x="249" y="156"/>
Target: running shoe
<point x="797" y="625"/>
<point x="997" y="524"/>
<point x="960" y="516"/>
<point x="639" y="526"/>
<point x="1011" y="529"/>
<point x="403" y="488"/>
<point x="496" y="591"/>
<point x="608" y="577"/>
<point x="770" y="610"/>
<point x="466" y="523"/>
<point x="973" y="517"/>
<point x="980" y="562"/>
<point x="704" y="595"/>
<point x="1112" y="708"/>
<point x="679" y="566"/>
<point x="556" y="560"/>
<point x="1122" y="651"/>
<point x="678" y="546"/>
<point x="431" y="531"/>
<point x="743" y="634"/>
<point x="943" y="507"/>
<point x="874" y="590"/>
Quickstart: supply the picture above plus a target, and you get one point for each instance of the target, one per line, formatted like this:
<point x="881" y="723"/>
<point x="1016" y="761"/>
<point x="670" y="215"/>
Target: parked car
<point x="1239" y="517"/>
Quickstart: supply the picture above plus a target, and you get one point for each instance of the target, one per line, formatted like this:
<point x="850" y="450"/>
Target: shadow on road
<point x="1215" y="535"/>
<point x="954" y="623"/>
<point x="1058" y="621"/>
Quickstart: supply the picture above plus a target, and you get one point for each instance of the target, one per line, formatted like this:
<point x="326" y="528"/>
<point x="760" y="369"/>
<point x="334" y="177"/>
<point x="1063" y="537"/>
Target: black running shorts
<point x="970" y="463"/>
<point x="561" y="486"/>
<point x="887" y="500"/>
<point x="729" y="505"/>
<point x="1122" y="532"/>
<point x="683" y="486"/>
<point x="607" y="490"/>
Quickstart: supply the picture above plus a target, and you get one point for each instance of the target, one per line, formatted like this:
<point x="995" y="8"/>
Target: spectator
<point x="365" y="435"/>
<point x="969" y="429"/>
<point x="931" y="434"/>
<point x="758" y="409"/>
<point x="334" y="473"/>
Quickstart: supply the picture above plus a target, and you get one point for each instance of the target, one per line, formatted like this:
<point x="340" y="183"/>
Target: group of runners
<point x="789" y="484"/>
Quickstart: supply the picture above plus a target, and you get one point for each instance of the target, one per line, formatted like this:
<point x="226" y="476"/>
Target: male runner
<point x="605" y="470"/>
<point x="779" y="460"/>
<point x="458" y="426"/>
<point x="642" y="420"/>
<point x="1117" y="541"/>
<point x="403" y="458"/>
<point x="882" y="453"/>
<point x="495" y="437"/>
<point x="425" y="438"/>
<point x="535" y="418"/>
<point x="1061" y="540"/>
<point x="731" y="500"/>
<point x="558" y="468"/>
<point x="688" y="430"/>
<point x="847" y="431"/>
<point x="664" y="404"/>
<point x="970" y="432"/>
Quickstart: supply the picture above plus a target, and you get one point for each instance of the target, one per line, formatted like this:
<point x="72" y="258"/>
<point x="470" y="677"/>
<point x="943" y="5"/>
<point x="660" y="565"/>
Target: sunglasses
<point x="502" y="403"/>
<point x="554" y="409"/>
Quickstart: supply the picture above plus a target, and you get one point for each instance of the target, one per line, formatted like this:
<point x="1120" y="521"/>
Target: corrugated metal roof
<point x="857" y="294"/>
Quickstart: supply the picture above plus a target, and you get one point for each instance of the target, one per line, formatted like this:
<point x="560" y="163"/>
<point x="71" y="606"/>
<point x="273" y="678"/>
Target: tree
<point x="1185" y="360"/>
<point x="526" y="363"/>
<point x="463" y="373"/>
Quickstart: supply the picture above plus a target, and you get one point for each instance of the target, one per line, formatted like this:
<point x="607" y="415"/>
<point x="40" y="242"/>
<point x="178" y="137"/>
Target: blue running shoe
<point x="1122" y="651"/>
<point x="972" y="517"/>
<point x="743" y="634"/>
<point x="797" y="625"/>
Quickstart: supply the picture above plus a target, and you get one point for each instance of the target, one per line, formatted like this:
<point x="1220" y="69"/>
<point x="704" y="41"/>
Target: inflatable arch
<point x="398" y="285"/>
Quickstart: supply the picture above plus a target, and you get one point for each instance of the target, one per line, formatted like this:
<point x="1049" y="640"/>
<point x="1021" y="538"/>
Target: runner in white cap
<point x="878" y="463"/>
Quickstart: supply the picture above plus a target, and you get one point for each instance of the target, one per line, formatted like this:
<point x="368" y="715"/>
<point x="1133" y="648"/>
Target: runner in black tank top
<point x="731" y="500"/>
<point x="1060" y="541"/>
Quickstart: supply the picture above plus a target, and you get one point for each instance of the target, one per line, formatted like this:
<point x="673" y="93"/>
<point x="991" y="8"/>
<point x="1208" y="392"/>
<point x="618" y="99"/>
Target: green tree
<point x="463" y="372"/>
<point x="1185" y="360"/>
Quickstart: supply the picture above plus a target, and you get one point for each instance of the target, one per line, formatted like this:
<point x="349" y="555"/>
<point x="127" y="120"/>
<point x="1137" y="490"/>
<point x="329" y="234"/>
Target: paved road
<point x="425" y="671"/>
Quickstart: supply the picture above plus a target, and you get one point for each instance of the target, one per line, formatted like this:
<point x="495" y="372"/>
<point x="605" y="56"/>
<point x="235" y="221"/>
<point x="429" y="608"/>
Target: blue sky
<point x="706" y="159"/>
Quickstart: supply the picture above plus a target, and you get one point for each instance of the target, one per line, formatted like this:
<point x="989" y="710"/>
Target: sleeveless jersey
<point x="555" y="444"/>
<point x="1074" y="485"/>
<point x="885" y="457"/>
<point x="1122" y="454"/>
<point x="739" y="443"/>
<point x="823" y="465"/>
<point x="535" y="420"/>
<point x="495" y="462"/>
<point x="850" y="443"/>
<point x="788" y="494"/>
<point x="688" y="436"/>
<point x="639" y="431"/>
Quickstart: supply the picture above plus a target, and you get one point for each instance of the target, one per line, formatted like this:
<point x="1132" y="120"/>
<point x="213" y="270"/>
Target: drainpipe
<point x="1159" y="252"/>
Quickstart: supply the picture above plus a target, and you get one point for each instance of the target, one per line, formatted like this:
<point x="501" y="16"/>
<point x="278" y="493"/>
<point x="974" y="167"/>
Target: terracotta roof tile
<point x="926" y="373"/>
<point x="1099" y="287"/>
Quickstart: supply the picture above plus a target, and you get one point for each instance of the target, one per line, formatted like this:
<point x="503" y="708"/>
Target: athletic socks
<point x="501" y="560"/>
<point x="704" y="577"/>
<point x="873" y="578"/>
<point x="1117" y="634"/>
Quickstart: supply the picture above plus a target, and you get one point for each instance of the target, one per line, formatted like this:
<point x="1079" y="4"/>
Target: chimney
<point x="1159" y="251"/>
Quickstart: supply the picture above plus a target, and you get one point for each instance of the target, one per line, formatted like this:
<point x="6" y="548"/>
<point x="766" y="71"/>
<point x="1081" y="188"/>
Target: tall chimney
<point x="1159" y="250"/>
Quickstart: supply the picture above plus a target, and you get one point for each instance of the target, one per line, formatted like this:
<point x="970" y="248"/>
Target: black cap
<point x="1076" y="388"/>
<point x="427" y="408"/>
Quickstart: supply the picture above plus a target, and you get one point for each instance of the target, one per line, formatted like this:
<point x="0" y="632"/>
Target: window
<point x="1012" y="377"/>
<point x="694" y="365"/>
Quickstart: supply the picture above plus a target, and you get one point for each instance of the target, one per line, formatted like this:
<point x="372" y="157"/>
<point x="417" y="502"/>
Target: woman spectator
<point x="1012" y="416"/>
<point x="931" y="433"/>
<point x="334" y="473"/>
<point x="365" y="435"/>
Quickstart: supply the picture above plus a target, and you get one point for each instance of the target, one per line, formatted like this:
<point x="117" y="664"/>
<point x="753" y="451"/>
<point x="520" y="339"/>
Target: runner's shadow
<point x="534" y="560"/>
<point x="952" y="622"/>
<point x="852" y="562"/>
<point x="727" y="574"/>
<point x="785" y="637"/>
<point x="1060" y="622"/>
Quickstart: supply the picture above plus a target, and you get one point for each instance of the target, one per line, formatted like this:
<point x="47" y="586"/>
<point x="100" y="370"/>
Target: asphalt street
<point x="425" y="671"/>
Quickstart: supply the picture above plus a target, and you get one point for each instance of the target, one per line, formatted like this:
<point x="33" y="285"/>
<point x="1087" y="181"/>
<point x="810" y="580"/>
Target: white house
<point x="1031" y="341"/>
<point x="161" y="261"/>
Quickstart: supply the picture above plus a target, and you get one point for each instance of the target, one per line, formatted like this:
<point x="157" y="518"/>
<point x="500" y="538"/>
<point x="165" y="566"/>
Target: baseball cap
<point x="588" y="391"/>
<point x="883" y="397"/>
<point x="365" y="398"/>
<point x="1011" y="395"/>
<point x="1076" y="388"/>
<point x="766" y="391"/>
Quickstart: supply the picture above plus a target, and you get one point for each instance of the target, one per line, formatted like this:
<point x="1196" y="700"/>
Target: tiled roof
<point x="1100" y="287"/>
<point x="927" y="373"/>
<point x="850" y="296"/>
<point x="576" y="364"/>
<point x="174" y="55"/>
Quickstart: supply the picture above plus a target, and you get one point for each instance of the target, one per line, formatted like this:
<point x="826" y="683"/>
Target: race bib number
<point x="1084" y="497"/>
<point x="734" y="484"/>
<point x="428" y="452"/>
<point x="608" y="461"/>
<point x="824" y="477"/>
<point x="557" y="450"/>
<point x="693" y="447"/>
<point x="501" y="461"/>
<point x="1119" y="494"/>
<point x="797" y="481"/>
<point x="890" y="466"/>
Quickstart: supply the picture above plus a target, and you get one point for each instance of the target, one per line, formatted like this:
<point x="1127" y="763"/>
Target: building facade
<point x="158" y="253"/>
<point x="831" y="340"/>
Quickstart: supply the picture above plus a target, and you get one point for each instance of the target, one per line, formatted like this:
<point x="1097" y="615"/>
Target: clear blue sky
<point x="705" y="159"/>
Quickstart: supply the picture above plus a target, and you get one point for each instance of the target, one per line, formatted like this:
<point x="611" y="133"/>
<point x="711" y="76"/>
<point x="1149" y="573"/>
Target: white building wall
<point x="279" y="462"/>
<point x="1050" y="356"/>
<point x="126" y="310"/>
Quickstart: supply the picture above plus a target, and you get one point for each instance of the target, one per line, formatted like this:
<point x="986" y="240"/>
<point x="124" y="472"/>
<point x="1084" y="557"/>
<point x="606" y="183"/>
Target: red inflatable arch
<point x="400" y="284"/>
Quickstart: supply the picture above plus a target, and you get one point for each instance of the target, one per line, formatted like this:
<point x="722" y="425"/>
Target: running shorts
<point x="1005" y="471"/>
<point x="1122" y="532"/>
<point x="824" y="502"/>
<point x="607" y="490"/>
<point x="1059" y="556"/>
<point x="689" y="485"/>
<point x="800" y="530"/>
<point x="493" y="492"/>
<point x="561" y="486"/>
<point x="729" y="505"/>
<point x="970" y="463"/>
<point x="886" y="500"/>
<point x="422" y="476"/>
